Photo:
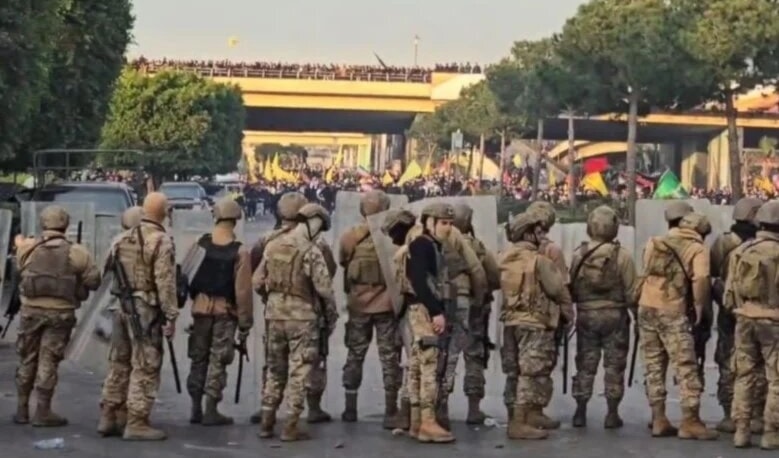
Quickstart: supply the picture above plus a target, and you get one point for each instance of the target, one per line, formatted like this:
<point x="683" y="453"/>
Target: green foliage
<point x="190" y="125"/>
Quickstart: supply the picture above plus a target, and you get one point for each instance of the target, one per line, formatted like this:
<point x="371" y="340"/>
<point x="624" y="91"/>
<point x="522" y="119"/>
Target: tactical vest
<point x="137" y="265"/>
<point x="664" y="265"/>
<point x="216" y="275"/>
<point x="363" y="267"/>
<point x="757" y="273"/>
<point x="523" y="296"/>
<point x="596" y="277"/>
<point x="284" y="265"/>
<point x="258" y="249"/>
<point x="47" y="271"/>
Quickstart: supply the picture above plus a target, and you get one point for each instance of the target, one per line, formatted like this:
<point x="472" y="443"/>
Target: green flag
<point x="668" y="187"/>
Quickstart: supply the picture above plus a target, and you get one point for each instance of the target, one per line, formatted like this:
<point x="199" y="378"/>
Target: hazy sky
<point x="343" y="31"/>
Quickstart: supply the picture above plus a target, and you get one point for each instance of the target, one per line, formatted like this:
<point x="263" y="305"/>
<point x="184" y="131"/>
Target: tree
<point x="633" y="46"/>
<point x="25" y="47"/>
<point x="188" y="124"/>
<point x="431" y="133"/>
<point x="737" y="42"/>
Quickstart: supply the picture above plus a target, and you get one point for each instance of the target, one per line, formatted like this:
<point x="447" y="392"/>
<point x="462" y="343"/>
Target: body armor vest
<point x="284" y="267"/>
<point x="597" y="276"/>
<point x="47" y="271"/>
<point x="216" y="275"/>
<point x="363" y="267"/>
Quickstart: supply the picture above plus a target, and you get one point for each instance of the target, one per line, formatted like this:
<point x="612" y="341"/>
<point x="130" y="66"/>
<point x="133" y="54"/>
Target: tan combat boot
<point x="519" y="428"/>
<point x="212" y="415"/>
<point x="350" y="408"/>
<point x="390" y="410"/>
<point x="22" y="416"/>
<point x="580" y="416"/>
<point x="661" y="427"/>
<point x="743" y="436"/>
<point x="291" y="432"/>
<point x="138" y="429"/>
<point x="537" y="418"/>
<point x="415" y="419"/>
<point x="770" y="439"/>
<point x="107" y="425"/>
<point x="403" y="420"/>
<point x="612" y="420"/>
<point x="196" y="417"/>
<point x="475" y="415"/>
<point x="693" y="428"/>
<point x="726" y="425"/>
<point x="43" y="416"/>
<point x="267" y="422"/>
<point x="431" y="431"/>
<point x="315" y="412"/>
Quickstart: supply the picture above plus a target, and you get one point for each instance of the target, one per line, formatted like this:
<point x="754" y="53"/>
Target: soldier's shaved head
<point x="155" y="207"/>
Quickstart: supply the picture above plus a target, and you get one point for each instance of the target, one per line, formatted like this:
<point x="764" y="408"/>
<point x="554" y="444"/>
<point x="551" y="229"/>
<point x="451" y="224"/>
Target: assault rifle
<point x="324" y="333"/>
<point x="481" y="320"/>
<point x="561" y="339"/>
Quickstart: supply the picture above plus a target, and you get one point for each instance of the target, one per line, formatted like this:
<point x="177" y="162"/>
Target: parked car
<point x="185" y="195"/>
<point x="110" y="198"/>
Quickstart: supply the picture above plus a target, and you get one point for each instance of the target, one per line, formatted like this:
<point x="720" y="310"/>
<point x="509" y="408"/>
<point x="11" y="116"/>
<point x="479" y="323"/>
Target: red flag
<point x="595" y="165"/>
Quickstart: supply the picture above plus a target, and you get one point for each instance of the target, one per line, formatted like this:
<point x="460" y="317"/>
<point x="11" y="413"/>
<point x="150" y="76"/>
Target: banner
<point x="669" y="187"/>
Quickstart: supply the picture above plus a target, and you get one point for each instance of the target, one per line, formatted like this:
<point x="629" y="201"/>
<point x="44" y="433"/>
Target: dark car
<point x="185" y="195"/>
<point x="109" y="198"/>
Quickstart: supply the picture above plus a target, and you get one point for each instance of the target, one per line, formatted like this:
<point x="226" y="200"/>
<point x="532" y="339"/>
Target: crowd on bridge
<point x="331" y="71"/>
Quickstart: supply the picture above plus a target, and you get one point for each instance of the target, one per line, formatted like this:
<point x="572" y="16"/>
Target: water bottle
<point x="50" y="444"/>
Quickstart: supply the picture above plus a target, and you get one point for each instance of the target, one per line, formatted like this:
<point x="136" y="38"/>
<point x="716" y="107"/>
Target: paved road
<point x="78" y="396"/>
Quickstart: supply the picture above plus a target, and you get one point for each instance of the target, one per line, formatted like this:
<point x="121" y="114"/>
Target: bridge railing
<point x="299" y="73"/>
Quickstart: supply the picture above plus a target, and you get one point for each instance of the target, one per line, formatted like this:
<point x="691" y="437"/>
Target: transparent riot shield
<point x="6" y="218"/>
<point x="82" y="215"/>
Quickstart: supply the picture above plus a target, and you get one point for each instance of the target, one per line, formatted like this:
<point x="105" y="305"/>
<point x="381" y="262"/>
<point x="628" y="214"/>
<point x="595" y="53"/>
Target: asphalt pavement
<point x="78" y="395"/>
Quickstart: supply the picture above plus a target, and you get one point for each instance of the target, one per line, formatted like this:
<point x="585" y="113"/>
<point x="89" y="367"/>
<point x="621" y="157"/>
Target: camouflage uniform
<point x="535" y="304"/>
<point x="509" y="357"/>
<point x="743" y="230"/>
<point x="751" y="291"/>
<point x="370" y="306"/>
<point x="287" y="207"/>
<point x="603" y="283"/>
<point x="147" y="256"/>
<point x="222" y="301"/>
<point x="674" y="265"/>
<point x="55" y="276"/>
<point x="297" y="287"/>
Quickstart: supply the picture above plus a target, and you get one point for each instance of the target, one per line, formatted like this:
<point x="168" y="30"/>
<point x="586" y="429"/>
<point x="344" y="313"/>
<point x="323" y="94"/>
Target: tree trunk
<point x="481" y="161"/>
<point x="572" y="181"/>
<point x="631" y="155"/>
<point x="470" y="165"/>
<point x="502" y="162"/>
<point x="733" y="148"/>
<point x="539" y="151"/>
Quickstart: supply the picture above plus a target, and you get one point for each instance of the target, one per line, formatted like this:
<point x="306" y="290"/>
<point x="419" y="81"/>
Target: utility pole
<point x="416" y="50"/>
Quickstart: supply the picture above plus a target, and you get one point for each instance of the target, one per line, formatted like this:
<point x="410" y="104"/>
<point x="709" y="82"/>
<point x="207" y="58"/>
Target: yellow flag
<point x="594" y="182"/>
<point x="267" y="170"/>
<point x="517" y="161"/>
<point x="387" y="179"/>
<point x="232" y="42"/>
<point x="551" y="177"/>
<point x="764" y="184"/>
<point x="413" y="170"/>
<point x="427" y="170"/>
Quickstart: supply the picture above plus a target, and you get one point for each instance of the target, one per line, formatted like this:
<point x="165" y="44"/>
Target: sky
<point x="343" y="31"/>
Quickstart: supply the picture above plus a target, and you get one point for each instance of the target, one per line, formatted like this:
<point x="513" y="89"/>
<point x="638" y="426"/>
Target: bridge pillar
<point x="694" y="163"/>
<point x="719" y="160"/>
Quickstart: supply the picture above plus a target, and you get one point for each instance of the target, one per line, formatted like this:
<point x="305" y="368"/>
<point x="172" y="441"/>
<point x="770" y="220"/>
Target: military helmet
<point x="546" y="210"/>
<point x="697" y="222"/>
<point x="462" y="216"/>
<point x="602" y="223"/>
<point x="522" y="223"/>
<point x="227" y="208"/>
<point x="309" y="211"/>
<point x="395" y="217"/>
<point x="677" y="210"/>
<point x="769" y="213"/>
<point x="439" y="210"/>
<point x="373" y="202"/>
<point x="132" y="217"/>
<point x="289" y="205"/>
<point x="55" y="218"/>
<point x="746" y="209"/>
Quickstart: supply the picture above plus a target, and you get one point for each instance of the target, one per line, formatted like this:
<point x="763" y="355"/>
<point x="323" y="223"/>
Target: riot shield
<point x="6" y="218"/>
<point x="81" y="214"/>
<point x="571" y="235"/>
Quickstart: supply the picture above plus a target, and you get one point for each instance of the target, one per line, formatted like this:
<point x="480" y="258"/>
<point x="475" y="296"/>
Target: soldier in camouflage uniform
<point x="221" y="292"/>
<point x="535" y="304"/>
<point x="752" y="293"/>
<point x="742" y="231"/>
<point x="674" y="265"/>
<point x="147" y="256"/>
<point x="297" y="287"/>
<point x="603" y="284"/>
<point x="55" y="276"/>
<point x="370" y="306"/>
<point x="286" y="211"/>
<point x="476" y="325"/>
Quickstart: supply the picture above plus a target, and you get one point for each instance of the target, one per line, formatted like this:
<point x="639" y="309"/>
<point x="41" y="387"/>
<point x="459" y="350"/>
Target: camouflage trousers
<point x="358" y="336"/>
<point x="134" y="365"/>
<point x="665" y="337"/>
<point x="317" y="376"/>
<point x="211" y="349"/>
<point x="723" y="356"/>
<point x="292" y="348"/>
<point x="421" y="378"/>
<point x="465" y="342"/>
<point x="42" y="339"/>
<point x="535" y="357"/>
<point x="756" y="351"/>
<point x="404" y="331"/>
<point x="606" y="331"/>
